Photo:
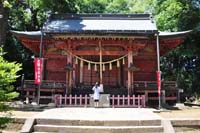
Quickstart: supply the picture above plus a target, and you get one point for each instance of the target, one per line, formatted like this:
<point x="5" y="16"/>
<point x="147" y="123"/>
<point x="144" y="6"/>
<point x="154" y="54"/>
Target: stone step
<point x="43" y="132"/>
<point x="98" y="129"/>
<point x="153" y="122"/>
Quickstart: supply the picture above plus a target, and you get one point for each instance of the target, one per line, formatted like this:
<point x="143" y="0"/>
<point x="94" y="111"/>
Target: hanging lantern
<point x="118" y="63"/>
<point x="76" y="62"/>
<point x="95" y="67"/>
<point x="81" y="63"/>
<point x="110" y="66"/>
<point x="104" y="67"/>
<point x="123" y="61"/>
<point x="89" y="66"/>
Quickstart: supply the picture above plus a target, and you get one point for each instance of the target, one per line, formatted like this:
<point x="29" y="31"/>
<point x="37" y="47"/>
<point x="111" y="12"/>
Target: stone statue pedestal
<point x="104" y="100"/>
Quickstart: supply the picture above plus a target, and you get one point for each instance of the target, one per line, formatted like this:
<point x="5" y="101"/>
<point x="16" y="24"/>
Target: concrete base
<point x="104" y="101"/>
<point x="28" y="125"/>
<point x="98" y="120"/>
<point x="98" y="129"/>
<point x="104" y="120"/>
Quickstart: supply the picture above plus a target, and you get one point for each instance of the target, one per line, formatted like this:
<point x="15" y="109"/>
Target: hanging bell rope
<point x="118" y="63"/>
<point x="93" y="62"/>
<point x="95" y="67"/>
<point x="106" y="62"/>
<point x="76" y="60"/>
<point x="89" y="66"/>
<point x="81" y="63"/>
<point x="104" y="67"/>
<point x="110" y="66"/>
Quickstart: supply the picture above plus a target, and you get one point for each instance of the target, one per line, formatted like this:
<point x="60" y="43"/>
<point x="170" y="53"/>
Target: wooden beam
<point x="92" y="52"/>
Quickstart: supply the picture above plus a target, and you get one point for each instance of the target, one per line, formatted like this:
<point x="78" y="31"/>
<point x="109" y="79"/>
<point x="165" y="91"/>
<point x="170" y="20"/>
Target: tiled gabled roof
<point x="100" y="24"/>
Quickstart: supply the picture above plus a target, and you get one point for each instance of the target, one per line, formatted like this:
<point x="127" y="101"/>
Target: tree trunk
<point x="3" y="24"/>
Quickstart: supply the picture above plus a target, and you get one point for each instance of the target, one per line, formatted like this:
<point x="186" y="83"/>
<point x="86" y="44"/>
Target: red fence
<point x="73" y="101"/>
<point x="115" y="101"/>
<point x="128" y="101"/>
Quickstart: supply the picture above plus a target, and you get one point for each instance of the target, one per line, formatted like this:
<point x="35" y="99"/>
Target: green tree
<point x="8" y="75"/>
<point x="168" y="15"/>
<point x="28" y="15"/>
<point x="92" y="6"/>
<point x="118" y="6"/>
<point x="181" y="64"/>
<point x="142" y="6"/>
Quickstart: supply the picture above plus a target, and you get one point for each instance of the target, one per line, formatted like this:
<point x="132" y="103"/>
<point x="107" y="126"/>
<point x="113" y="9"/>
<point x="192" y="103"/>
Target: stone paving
<point x="102" y="120"/>
<point x="105" y="114"/>
<point x="99" y="114"/>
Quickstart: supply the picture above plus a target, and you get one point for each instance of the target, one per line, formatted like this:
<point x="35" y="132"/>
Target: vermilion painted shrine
<point x="119" y="51"/>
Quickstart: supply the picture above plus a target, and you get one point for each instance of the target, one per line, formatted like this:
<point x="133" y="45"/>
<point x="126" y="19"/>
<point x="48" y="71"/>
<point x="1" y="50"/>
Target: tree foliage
<point x="168" y="14"/>
<point x="92" y="6"/>
<point x="8" y="75"/>
<point x="181" y="64"/>
<point x="118" y="6"/>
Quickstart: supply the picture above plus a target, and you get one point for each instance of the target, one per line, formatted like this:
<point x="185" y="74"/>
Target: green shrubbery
<point x="8" y="75"/>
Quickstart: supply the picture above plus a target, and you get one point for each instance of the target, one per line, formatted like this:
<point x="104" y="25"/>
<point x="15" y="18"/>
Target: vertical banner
<point x="38" y="66"/>
<point x="158" y="82"/>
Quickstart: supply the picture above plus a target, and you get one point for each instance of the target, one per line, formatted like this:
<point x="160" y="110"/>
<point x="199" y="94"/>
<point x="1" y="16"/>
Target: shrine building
<point x="120" y="51"/>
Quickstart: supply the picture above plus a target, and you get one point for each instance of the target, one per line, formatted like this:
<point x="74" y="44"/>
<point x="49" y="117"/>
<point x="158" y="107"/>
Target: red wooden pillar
<point x="119" y="75"/>
<point x="100" y="63"/>
<point x="130" y="61"/>
<point x="69" y="61"/>
<point x="81" y="72"/>
<point x="132" y="81"/>
<point x="73" y="73"/>
<point x="67" y="83"/>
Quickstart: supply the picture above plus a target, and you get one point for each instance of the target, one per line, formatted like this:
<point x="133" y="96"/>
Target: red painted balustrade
<point x="115" y="101"/>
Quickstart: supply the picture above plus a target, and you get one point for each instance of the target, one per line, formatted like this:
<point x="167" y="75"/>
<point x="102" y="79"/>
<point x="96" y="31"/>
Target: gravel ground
<point x="180" y="112"/>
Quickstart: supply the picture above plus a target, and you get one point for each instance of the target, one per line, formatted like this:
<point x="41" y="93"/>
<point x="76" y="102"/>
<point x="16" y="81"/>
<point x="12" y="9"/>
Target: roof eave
<point x="28" y="34"/>
<point x="174" y="34"/>
<point x="106" y="32"/>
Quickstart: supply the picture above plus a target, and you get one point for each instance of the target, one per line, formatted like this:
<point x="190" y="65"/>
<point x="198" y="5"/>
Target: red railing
<point x="72" y="100"/>
<point x="115" y="101"/>
<point x="128" y="101"/>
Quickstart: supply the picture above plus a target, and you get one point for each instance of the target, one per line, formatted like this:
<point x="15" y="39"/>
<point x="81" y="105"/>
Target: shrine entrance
<point x="113" y="73"/>
<point x="106" y="60"/>
<point x="105" y="63"/>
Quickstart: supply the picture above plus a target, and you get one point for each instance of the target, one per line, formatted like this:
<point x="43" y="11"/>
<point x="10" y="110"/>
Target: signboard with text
<point x="38" y="66"/>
